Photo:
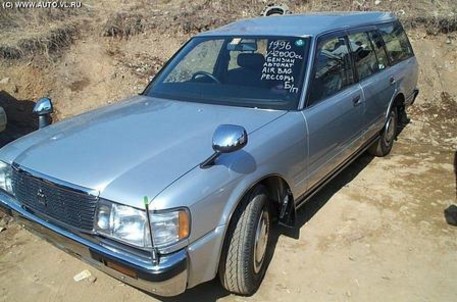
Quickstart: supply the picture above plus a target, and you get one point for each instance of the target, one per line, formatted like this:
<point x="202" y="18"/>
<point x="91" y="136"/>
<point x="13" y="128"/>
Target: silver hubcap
<point x="389" y="133"/>
<point x="261" y="240"/>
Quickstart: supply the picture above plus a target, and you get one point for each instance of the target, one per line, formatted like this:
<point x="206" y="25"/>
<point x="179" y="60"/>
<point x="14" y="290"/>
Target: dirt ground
<point x="375" y="233"/>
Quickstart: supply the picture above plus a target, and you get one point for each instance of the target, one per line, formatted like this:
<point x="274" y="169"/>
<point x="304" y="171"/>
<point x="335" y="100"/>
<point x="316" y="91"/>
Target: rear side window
<point x="332" y="69"/>
<point x="396" y="41"/>
<point x="364" y="55"/>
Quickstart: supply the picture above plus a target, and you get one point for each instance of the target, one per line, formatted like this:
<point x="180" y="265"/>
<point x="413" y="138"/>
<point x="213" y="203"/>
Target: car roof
<point x="310" y="24"/>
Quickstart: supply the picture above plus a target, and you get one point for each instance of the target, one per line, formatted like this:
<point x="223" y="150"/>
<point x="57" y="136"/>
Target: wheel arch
<point x="398" y="100"/>
<point x="276" y="186"/>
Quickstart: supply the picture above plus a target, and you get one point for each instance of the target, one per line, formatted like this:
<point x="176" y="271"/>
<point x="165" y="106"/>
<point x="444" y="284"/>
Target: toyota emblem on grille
<point x="41" y="198"/>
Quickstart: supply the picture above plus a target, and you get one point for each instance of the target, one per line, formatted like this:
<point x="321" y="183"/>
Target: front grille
<point x="64" y="204"/>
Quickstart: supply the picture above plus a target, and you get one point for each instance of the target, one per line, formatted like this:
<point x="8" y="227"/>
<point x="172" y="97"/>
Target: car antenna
<point x="153" y="250"/>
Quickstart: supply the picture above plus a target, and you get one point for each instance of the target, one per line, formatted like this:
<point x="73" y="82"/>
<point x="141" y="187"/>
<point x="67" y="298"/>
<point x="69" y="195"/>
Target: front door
<point x="335" y="109"/>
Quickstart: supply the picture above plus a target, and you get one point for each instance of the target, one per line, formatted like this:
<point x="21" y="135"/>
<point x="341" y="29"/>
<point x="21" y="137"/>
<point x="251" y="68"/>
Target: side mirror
<point x="229" y="138"/>
<point x="43" y="108"/>
<point x="226" y="139"/>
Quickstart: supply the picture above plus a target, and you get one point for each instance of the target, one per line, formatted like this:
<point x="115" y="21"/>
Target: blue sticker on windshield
<point x="299" y="43"/>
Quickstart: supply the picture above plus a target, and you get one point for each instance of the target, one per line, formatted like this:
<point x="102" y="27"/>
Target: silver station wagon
<point x="241" y="127"/>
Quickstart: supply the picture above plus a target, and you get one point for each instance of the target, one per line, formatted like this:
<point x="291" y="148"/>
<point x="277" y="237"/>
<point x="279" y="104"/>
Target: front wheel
<point x="383" y="146"/>
<point x="246" y="250"/>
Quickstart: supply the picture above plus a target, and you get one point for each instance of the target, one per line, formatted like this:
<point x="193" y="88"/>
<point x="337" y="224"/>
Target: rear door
<point x="401" y="58"/>
<point x="335" y="108"/>
<point x="375" y="77"/>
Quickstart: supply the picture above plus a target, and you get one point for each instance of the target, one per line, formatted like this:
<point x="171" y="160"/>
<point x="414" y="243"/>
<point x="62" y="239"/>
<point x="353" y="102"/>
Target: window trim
<point x="366" y="30"/>
<point x="340" y="34"/>
<point x="407" y="39"/>
<point x="162" y="69"/>
<point x="395" y="23"/>
<point x="303" y="73"/>
<point x="375" y="27"/>
<point x="389" y="63"/>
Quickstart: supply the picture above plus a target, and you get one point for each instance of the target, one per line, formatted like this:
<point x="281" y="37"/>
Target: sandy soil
<point x="375" y="233"/>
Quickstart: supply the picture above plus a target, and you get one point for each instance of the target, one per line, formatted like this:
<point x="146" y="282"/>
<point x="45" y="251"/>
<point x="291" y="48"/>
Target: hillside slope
<point x="375" y="233"/>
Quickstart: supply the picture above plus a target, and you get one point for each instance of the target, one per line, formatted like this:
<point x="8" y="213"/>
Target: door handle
<point x="357" y="100"/>
<point x="392" y="80"/>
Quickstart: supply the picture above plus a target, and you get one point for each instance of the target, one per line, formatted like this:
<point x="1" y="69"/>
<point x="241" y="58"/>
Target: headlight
<point x="130" y="225"/>
<point x="123" y="223"/>
<point x="170" y="227"/>
<point x="6" y="173"/>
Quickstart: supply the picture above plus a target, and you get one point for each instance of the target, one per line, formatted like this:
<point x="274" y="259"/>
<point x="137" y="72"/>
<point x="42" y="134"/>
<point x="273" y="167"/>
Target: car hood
<point x="132" y="149"/>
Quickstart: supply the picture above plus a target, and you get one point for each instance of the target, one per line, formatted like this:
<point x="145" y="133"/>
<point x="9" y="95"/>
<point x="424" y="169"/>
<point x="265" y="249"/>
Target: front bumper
<point x="167" y="278"/>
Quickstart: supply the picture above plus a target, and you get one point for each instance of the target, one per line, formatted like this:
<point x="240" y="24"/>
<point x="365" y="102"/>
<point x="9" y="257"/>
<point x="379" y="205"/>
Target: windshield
<point x="260" y="72"/>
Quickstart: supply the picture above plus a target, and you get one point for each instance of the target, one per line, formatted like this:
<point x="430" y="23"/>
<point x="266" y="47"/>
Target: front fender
<point x="213" y="194"/>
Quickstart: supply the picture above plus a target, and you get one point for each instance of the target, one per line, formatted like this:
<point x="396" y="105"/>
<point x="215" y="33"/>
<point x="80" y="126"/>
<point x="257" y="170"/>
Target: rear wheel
<point x="246" y="249"/>
<point x="383" y="146"/>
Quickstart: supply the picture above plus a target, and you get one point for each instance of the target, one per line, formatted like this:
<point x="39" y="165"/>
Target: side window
<point x="364" y="55"/>
<point x="332" y="69"/>
<point x="397" y="44"/>
<point x="379" y="49"/>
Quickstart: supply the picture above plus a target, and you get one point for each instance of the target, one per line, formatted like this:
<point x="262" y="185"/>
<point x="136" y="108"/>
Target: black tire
<point x="241" y="269"/>
<point x="383" y="146"/>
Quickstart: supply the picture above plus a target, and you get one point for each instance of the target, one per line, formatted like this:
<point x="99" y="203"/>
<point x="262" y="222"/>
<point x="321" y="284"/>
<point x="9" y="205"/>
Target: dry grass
<point x="37" y="31"/>
<point x="178" y="16"/>
<point x="31" y="18"/>
<point x="196" y="16"/>
<point x="437" y="16"/>
<point x="49" y="31"/>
